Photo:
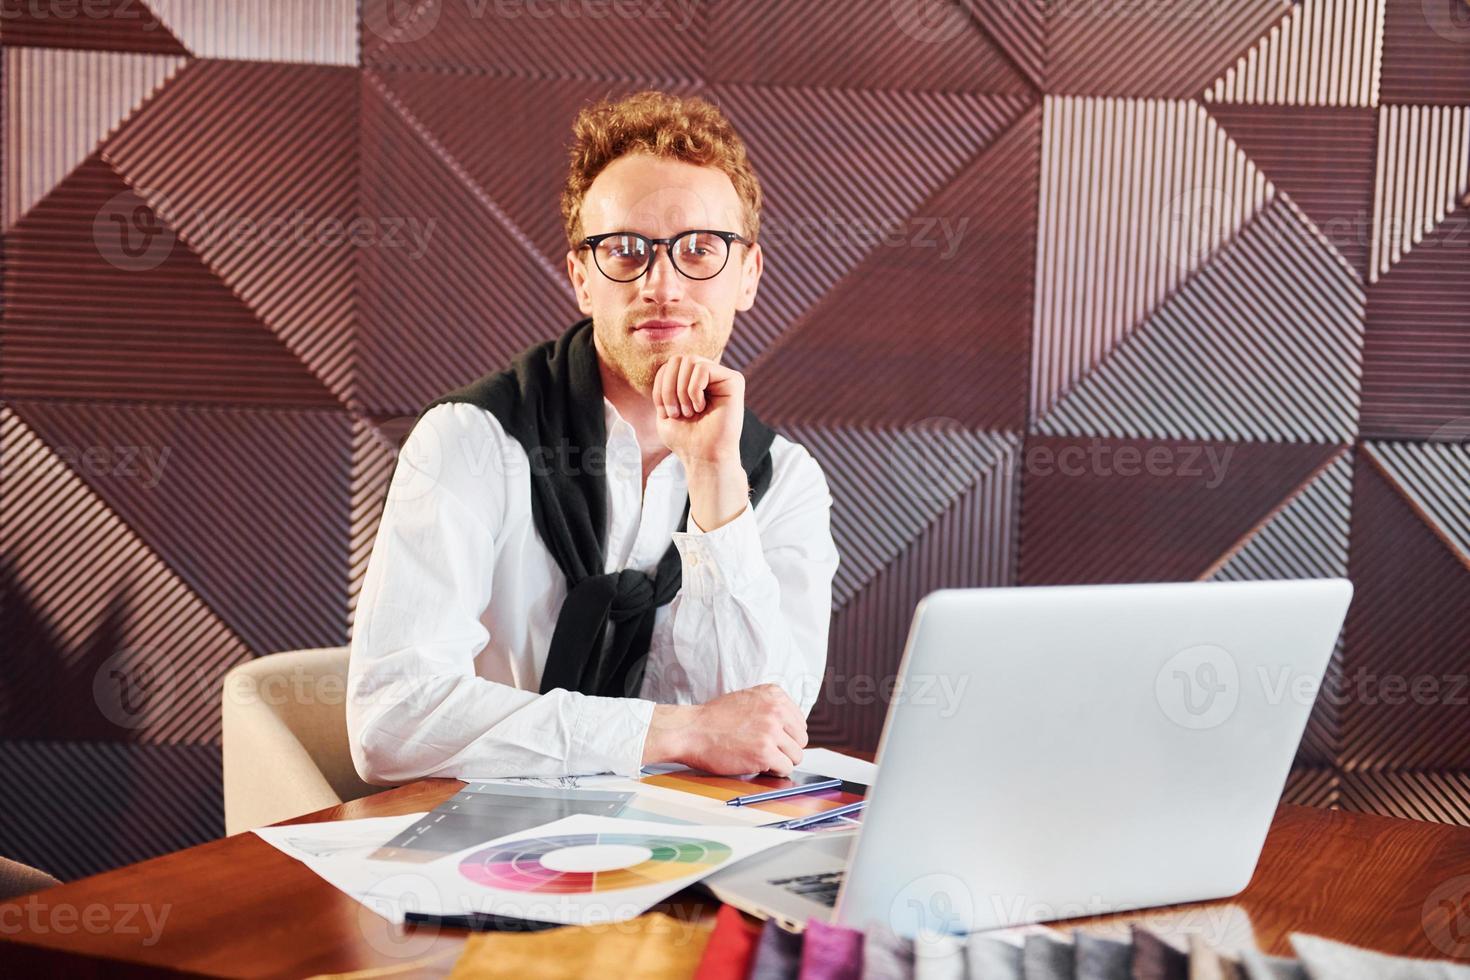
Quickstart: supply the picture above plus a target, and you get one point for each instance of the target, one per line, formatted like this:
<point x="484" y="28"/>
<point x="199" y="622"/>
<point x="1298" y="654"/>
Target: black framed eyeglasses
<point x="624" y="256"/>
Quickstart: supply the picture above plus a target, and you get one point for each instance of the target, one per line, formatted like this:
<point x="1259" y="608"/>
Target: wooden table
<point x="239" y="907"/>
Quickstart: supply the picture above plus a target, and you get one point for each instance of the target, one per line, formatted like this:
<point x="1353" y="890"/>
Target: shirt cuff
<point x="609" y="735"/>
<point x="726" y="559"/>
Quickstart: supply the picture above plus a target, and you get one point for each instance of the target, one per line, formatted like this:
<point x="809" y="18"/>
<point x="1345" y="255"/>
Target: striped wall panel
<point x="1135" y="510"/>
<point x="374" y="454"/>
<point x="181" y="335"/>
<point x="1167" y="48"/>
<point x="1320" y="157"/>
<point x="1135" y="195"/>
<point x="889" y="486"/>
<point x="1424" y="60"/>
<point x="972" y="543"/>
<point x="1305" y="536"/>
<point x="1416" y="351"/>
<point x="1432" y="477"/>
<point x="104" y="640"/>
<point x="140" y="800"/>
<point x="961" y="353"/>
<point x="941" y="48"/>
<point x="536" y="41"/>
<point x="102" y="25"/>
<point x="59" y="105"/>
<point x="1265" y="342"/>
<point x="882" y="153"/>
<point x="1055" y="293"/>
<point x="1437" y="796"/>
<point x="1405" y="655"/>
<point x="450" y="292"/>
<point x="322" y="32"/>
<point x="274" y="220"/>
<point x="1325" y="52"/>
<point x="1423" y="174"/>
<point x="1018" y="29"/>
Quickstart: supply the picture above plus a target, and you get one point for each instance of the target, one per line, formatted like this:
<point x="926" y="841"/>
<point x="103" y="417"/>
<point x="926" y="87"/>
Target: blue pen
<point x="800" y="822"/>
<point x="776" y="794"/>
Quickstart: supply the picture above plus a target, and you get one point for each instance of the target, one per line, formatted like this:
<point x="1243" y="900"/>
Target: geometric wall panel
<point x="1406" y="647"/>
<point x="1320" y="157"/>
<point x="259" y="535"/>
<point x="1434" y="477"/>
<point x="473" y="272"/>
<point x="1135" y="195"/>
<point x="516" y="154"/>
<point x="128" y="802"/>
<point x="180" y="335"/>
<point x="660" y="46"/>
<point x="101" y="25"/>
<point x="1416" y="351"/>
<point x="1425" y="57"/>
<point x="1170" y="49"/>
<point x="1306" y="537"/>
<point x="1019" y="29"/>
<point x="1132" y="510"/>
<point x="1423" y="172"/>
<point x="323" y="32"/>
<point x="883" y="156"/>
<point x="103" y="639"/>
<point x="943" y="316"/>
<point x="374" y="455"/>
<point x="768" y="42"/>
<point x="971" y="544"/>
<point x="285" y="245"/>
<point x="1325" y="52"/>
<point x="59" y="105"/>
<point x="1443" y="797"/>
<point x="1263" y="343"/>
<point x="889" y="486"/>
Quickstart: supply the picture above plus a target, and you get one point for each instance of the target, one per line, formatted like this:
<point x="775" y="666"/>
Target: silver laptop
<point x="1053" y="752"/>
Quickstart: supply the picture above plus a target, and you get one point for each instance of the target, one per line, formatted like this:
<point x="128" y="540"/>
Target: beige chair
<point x="285" y="738"/>
<point x="18" y="879"/>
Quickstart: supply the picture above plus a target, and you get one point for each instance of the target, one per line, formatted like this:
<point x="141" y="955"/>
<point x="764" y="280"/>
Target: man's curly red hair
<point x="688" y="129"/>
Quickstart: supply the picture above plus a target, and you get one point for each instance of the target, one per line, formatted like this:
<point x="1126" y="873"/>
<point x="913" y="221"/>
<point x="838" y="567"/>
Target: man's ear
<point x="578" y="276"/>
<point x="750" y="277"/>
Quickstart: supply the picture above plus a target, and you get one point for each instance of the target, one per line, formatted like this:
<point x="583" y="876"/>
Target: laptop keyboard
<point x="820" y="888"/>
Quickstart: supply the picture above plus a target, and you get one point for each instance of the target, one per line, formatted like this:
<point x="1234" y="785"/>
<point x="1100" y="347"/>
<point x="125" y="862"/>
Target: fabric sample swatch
<point x="654" y="945"/>
<point x="1207" y="963"/>
<point x="777" y="954"/>
<point x="731" y="946"/>
<point x="1322" y="958"/>
<point x="939" y="957"/>
<point x="887" y="955"/>
<point x="1045" y="958"/>
<point x="993" y="959"/>
<point x="1154" y="959"/>
<point x="1259" y="966"/>
<point x="831" y="952"/>
<point x="1102" y="959"/>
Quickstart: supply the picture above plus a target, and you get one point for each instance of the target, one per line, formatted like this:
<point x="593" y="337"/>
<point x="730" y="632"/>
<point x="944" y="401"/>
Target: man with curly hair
<point x="598" y="558"/>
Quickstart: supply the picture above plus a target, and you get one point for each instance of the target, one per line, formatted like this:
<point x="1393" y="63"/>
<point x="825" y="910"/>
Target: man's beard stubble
<point x="638" y="362"/>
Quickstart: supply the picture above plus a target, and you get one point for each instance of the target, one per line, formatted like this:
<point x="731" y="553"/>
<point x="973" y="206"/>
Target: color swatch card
<point x="580" y="870"/>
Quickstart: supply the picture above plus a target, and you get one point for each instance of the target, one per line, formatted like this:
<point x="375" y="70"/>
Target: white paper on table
<point x="835" y="765"/>
<point x="616" y="869"/>
<point x="336" y="840"/>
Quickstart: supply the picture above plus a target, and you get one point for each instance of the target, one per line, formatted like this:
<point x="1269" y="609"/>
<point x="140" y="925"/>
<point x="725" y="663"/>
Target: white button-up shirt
<point x="457" y="609"/>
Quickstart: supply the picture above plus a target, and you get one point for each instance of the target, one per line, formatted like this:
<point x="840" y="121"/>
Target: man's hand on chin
<point x="700" y="408"/>
<point x="759" y="729"/>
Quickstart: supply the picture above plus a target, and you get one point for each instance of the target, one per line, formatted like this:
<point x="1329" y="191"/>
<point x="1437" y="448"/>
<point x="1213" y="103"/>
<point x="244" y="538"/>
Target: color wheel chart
<point x="579" y="864"/>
